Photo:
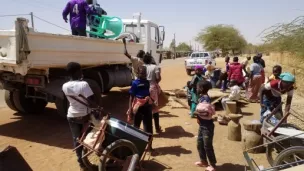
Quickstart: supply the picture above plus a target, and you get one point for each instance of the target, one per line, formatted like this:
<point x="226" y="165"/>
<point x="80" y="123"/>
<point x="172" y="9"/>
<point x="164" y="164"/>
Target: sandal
<point x="210" y="168"/>
<point x="201" y="164"/>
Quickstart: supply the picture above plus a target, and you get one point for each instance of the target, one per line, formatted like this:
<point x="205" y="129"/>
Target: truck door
<point x="154" y="43"/>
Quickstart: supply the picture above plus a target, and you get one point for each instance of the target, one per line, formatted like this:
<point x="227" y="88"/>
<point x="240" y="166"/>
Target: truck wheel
<point x="96" y="90"/>
<point x="188" y="72"/>
<point x="8" y="97"/>
<point x="62" y="106"/>
<point x="28" y="105"/>
<point x="105" y="81"/>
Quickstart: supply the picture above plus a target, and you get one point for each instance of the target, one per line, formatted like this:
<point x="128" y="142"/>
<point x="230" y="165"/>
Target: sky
<point x="184" y="18"/>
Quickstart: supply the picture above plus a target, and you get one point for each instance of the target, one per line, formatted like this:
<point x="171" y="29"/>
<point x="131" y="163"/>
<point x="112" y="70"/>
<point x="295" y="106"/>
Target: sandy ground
<point x="45" y="140"/>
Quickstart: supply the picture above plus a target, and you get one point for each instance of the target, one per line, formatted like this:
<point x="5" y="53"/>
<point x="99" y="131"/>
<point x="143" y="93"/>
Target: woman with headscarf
<point x="270" y="94"/>
<point x="255" y="80"/>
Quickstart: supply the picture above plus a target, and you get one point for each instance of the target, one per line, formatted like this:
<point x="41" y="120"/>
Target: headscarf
<point x="198" y="67"/>
<point x="288" y="77"/>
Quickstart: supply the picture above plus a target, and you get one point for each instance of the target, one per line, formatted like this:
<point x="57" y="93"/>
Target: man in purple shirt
<point x="78" y="10"/>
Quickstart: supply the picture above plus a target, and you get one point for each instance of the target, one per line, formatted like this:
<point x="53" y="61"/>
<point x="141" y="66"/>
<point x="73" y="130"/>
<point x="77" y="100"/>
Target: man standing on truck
<point x="78" y="115"/>
<point x="78" y="11"/>
<point x="99" y="12"/>
<point x="136" y="61"/>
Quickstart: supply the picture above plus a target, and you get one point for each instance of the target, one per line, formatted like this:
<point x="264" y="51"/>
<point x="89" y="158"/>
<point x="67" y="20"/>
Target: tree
<point x="224" y="37"/>
<point x="183" y="47"/>
<point x="286" y="37"/>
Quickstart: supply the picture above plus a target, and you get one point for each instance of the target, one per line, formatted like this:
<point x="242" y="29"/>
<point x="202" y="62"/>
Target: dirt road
<point x="45" y="140"/>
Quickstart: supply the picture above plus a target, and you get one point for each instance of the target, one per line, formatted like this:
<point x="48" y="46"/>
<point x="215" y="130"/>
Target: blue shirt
<point x="140" y="88"/>
<point x="204" y="98"/>
<point x="255" y="69"/>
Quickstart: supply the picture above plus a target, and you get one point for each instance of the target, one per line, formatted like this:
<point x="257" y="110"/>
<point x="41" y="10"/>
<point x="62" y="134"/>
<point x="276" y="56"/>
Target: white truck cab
<point x="198" y="58"/>
<point x="149" y="34"/>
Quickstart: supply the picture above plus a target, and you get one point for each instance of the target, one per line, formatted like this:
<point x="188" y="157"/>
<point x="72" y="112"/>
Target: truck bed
<point x="55" y="50"/>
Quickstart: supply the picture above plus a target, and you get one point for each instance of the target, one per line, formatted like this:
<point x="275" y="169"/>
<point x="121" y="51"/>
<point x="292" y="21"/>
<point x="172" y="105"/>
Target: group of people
<point x="144" y="91"/>
<point x="249" y="78"/>
<point x="266" y="91"/>
<point x="239" y="76"/>
<point x="143" y="103"/>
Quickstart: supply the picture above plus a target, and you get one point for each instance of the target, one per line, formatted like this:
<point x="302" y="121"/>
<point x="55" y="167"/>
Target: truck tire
<point x="188" y="72"/>
<point x="8" y="97"/>
<point x="102" y="80"/>
<point x="105" y="81"/>
<point x="96" y="90"/>
<point x="62" y="106"/>
<point x="28" y="105"/>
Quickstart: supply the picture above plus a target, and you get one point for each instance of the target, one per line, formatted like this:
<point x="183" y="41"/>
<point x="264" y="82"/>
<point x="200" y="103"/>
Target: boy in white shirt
<point x="234" y="95"/>
<point x="78" y="114"/>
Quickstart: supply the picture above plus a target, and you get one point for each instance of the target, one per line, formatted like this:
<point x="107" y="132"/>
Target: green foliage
<point x="286" y="37"/>
<point x="224" y="37"/>
<point x="184" y="47"/>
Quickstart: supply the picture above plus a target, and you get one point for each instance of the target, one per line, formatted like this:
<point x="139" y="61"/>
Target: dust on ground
<point x="45" y="141"/>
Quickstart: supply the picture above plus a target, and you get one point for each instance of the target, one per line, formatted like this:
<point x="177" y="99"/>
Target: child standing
<point x="196" y="78"/>
<point x="205" y="110"/>
<point x="234" y="95"/>
<point x="140" y="103"/>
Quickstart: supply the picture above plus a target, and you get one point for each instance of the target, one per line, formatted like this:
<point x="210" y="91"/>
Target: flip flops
<point x="210" y="168"/>
<point x="205" y="164"/>
<point x="201" y="164"/>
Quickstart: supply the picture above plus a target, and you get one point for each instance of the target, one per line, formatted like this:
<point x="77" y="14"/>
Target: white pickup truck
<point x="198" y="58"/>
<point x="32" y="64"/>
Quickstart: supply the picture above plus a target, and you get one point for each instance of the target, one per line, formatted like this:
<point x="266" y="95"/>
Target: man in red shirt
<point x="236" y="72"/>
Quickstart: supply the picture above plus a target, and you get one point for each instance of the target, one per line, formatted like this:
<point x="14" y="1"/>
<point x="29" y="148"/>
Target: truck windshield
<point x="197" y="55"/>
<point x="132" y="28"/>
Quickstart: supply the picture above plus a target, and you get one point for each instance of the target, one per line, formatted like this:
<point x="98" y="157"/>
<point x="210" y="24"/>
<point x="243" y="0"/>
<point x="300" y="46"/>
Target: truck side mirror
<point x="162" y="33"/>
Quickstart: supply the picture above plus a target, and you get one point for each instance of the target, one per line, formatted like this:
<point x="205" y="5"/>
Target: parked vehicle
<point x="32" y="64"/>
<point x="198" y="58"/>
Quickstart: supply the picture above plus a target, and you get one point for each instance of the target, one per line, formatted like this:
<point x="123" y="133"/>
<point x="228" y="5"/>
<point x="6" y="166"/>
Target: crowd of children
<point x="199" y="101"/>
<point x="237" y="76"/>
